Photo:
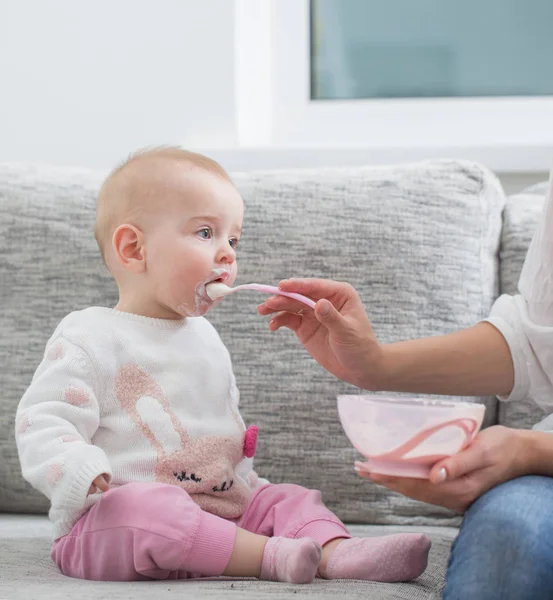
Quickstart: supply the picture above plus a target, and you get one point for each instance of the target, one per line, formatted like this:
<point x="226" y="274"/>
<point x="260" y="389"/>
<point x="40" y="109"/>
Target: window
<point x="431" y="48"/>
<point x="385" y="81"/>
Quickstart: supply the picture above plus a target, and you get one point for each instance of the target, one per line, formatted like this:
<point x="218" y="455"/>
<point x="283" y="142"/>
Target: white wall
<point x="87" y="82"/>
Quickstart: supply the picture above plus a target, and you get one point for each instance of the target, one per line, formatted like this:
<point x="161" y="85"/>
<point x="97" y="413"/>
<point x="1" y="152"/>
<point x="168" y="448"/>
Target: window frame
<point x="275" y="109"/>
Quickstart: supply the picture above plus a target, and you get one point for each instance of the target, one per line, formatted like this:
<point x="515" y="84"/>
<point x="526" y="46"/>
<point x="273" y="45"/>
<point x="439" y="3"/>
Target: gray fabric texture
<point x="28" y="573"/>
<point x="418" y="241"/>
<point x="520" y="220"/>
<point x="49" y="262"/>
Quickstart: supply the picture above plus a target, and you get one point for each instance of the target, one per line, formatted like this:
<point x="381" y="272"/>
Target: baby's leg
<point x="274" y="559"/>
<point x="293" y="511"/>
<point x="144" y="531"/>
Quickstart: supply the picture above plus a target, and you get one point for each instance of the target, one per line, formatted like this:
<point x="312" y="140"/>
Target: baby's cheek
<point x="176" y="289"/>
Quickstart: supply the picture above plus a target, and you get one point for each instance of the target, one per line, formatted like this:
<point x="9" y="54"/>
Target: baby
<point x="131" y="425"/>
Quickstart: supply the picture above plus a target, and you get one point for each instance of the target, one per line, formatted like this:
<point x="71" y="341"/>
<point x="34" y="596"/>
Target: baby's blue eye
<point x="205" y="233"/>
<point x="233" y="242"/>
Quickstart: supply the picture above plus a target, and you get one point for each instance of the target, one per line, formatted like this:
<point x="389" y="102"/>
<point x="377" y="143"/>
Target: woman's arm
<point x="471" y="362"/>
<point x="338" y="334"/>
<point x="537" y="458"/>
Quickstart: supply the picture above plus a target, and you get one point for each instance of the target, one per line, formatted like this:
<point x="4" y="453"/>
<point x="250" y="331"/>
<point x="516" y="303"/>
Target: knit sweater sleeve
<point x="55" y="424"/>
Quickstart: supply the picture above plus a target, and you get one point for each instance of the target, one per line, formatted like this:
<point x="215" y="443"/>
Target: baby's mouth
<point x="202" y="298"/>
<point x="220" y="276"/>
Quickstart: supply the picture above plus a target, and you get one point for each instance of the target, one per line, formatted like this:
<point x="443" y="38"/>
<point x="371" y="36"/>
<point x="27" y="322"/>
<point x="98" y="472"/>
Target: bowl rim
<point x="413" y="402"/>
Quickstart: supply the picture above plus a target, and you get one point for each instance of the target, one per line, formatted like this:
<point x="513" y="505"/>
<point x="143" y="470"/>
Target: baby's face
<point x="191" y="241"/>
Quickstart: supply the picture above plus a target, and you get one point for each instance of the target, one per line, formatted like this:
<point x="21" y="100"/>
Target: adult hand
<point x="496" y="455"/>
<point x="337" y="333"/>
<point x="99" y="484"/>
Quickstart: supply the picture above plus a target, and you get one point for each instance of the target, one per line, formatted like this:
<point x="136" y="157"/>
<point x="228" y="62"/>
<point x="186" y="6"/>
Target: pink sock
<point x="294" y="561"/>
<point x="390" y="558"/>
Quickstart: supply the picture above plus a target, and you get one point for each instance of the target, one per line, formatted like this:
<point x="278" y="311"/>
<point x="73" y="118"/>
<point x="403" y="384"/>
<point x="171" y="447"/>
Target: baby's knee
<point x="292" y="490"/>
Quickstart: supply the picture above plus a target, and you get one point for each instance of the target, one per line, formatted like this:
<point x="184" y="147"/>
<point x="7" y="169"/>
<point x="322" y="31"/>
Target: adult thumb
<point x="327" y="314"/>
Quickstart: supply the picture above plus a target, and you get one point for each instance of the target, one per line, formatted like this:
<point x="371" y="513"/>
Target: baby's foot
<point x="398" y="557"/>
<point x="294" y="561"/>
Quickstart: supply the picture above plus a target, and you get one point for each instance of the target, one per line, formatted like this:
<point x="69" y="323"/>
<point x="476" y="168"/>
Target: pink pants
<point x="143" y="531"/>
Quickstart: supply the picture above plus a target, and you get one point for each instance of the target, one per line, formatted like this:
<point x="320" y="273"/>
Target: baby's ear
<point x="128" y="247"/>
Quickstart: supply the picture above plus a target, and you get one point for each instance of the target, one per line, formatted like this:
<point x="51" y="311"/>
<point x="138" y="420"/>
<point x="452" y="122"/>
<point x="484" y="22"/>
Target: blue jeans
<point x="504" y="550"/>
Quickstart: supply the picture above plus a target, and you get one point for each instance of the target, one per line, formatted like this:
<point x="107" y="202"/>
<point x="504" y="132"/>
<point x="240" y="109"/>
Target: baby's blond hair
<point x="115" y="200"/>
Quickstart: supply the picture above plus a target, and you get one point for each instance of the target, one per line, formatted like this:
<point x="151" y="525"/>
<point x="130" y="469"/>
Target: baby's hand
<point x="99" y="484"/>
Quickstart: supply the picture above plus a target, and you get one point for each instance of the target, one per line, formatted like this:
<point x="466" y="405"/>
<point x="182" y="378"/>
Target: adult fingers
<point x="456" y="495"/>
<point x="285" y="319"/>
<point x="279" y="304"/>
<point x="465" y="462"/>
<point x="325" y="312"/>
<point x="316" y="288"/>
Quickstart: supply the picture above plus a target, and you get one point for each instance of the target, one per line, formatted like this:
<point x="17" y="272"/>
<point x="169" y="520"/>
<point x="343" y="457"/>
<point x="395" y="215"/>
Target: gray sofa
<point x="429" y="246"/>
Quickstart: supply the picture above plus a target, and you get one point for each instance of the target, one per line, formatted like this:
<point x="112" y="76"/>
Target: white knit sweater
<point x="138" y="399"/>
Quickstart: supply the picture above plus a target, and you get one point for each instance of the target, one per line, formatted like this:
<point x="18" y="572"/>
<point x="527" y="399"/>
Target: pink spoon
<point x="218" y="290"/>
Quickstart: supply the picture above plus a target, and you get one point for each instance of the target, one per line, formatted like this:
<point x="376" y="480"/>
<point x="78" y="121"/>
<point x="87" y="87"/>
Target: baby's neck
<point x="138" y="306"/>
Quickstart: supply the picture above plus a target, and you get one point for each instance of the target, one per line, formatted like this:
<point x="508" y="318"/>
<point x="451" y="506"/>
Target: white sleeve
<point x="531" y="350"/>
<point x="526" y="320"/>
<point x="55" y="422"/>
<point x="536" y="279"/>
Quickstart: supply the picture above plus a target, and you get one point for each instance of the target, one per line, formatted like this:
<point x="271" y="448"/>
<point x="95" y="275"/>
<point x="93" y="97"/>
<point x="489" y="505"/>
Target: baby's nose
<point x="227" y="255"/>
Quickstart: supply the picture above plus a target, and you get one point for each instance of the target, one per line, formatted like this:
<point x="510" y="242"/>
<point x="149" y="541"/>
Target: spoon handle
<point x="271" y="289"/>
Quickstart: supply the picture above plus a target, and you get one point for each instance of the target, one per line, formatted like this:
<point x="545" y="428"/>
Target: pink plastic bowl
<point x="405" y="437"/>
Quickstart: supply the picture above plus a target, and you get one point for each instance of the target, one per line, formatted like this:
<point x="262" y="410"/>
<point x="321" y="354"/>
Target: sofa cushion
<point x="49" y="266"/>
<point x="419" y="241"/>
<point x="520" y="220"/>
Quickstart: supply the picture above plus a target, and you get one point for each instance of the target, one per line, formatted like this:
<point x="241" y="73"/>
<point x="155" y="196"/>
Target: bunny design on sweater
<point x="205" y="466"/>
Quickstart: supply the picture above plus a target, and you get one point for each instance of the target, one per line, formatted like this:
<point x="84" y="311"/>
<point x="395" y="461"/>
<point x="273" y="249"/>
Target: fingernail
<point x="324" y="308"/>
<point x="441" y="476"/>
